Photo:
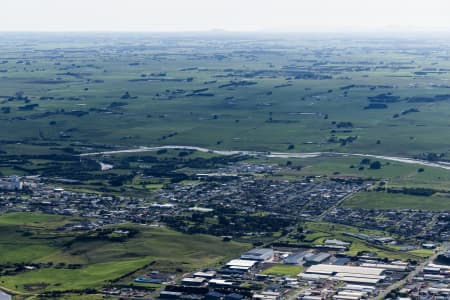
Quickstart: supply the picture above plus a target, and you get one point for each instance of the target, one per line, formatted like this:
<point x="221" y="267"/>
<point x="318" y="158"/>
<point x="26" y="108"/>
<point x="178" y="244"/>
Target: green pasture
<point x="100" y="260"/>
<point x="384" y="200"/>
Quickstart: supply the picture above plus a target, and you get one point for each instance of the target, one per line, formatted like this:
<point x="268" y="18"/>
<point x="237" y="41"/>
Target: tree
<point x="375" y="165"/>
<point x="223" y="220"/>
<point x="365" y="161"/>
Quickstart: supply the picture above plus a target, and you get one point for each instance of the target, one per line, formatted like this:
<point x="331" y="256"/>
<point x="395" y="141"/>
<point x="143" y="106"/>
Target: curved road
<point x="407" y="160"/>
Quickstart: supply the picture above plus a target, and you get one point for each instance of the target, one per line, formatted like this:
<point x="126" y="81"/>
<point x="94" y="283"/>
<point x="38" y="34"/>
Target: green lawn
<point x="28" y="237"/>
<point x="304" y="113"/>
<point x="283" y="270"/>
<point x="31" y="219"/>
<point x="320" y="231"/>
<point x="295" y="94"/>
<point x="91" y="276"/>
<point x="101" y="260"/>
<point x="262" y="116"/>
<point x="383" y="200"/>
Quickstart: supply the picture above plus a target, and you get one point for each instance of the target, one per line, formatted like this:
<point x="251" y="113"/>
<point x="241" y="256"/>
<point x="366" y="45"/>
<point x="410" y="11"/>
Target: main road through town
<point x="412" y="274"/>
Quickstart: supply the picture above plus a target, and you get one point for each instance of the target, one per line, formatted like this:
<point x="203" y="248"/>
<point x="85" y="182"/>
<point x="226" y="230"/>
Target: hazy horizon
<point x="286" y="16"/>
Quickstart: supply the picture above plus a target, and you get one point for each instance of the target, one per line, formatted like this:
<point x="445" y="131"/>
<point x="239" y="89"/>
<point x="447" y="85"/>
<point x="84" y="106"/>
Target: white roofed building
<point x="259" y="254"/>
<point x="349" y="274"/>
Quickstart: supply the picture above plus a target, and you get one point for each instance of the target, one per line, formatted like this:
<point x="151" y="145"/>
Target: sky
<point x="229" y="15"/>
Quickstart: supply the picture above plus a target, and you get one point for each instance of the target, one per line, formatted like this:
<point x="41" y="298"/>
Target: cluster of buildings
<point x="306" y="198"/>
<point x="242" y="168"/>
<point x="432" y="282"/>
<point x="225" y="283"/>
<point x="37" y="195"/>
<point x="323" y="275"/>
<point x="13" y="183"/>
<point x="326" y="271"/>
<point x="365" y="273"/>
<point x="422" y="225"/>
<point x="125" y="293"/>
<point x="359" y="278"/>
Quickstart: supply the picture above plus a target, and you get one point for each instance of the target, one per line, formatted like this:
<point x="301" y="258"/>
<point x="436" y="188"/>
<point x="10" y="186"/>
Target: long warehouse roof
<point x="356" y="279"/>
<point x="342" y="274"/>
<point x="322" y="268"/>
<point x="242" y="263"/>
<point x="385" y="266"/>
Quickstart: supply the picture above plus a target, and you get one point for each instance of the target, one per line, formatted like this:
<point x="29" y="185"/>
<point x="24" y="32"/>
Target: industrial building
<point x="205" y="274"/>
<point x="267" y="296"/>
<point x="259" y="254"/>
<point x="390" y="267"/>
<point x="13" y="184"/>
<point x="335" y="242"/>
<point x="170" y="295"/>
<point x="241" y="264"/>
<point x="297" y="258"/>
<point x="348" y="274"/>
<point x="317" y="258"/>
<point x="361" y="288"/>
<point x="220" y="283"/>
<point x="188" y="281"/>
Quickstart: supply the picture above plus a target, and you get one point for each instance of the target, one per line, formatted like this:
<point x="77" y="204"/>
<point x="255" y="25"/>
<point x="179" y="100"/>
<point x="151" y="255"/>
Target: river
<point x="407" y="160"/>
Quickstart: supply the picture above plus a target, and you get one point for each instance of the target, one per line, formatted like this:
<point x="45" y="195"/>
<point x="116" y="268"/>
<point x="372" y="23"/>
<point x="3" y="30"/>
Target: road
<point x="296" y="293"/>
<point x="412" y="274"/>
<point x="335" y="205"/>
<point x="406" y="160"/>
<point x="396" y="285"/>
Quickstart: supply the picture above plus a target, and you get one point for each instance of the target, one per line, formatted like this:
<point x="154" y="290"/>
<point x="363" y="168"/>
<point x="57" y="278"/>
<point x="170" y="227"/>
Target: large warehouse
<point x="260" y="254"/>
<point x="241" y="264"/>
<point x="348" y="274"/>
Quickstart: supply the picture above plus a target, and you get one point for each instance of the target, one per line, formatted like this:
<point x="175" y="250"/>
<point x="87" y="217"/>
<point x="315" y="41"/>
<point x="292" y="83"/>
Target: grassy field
<point x="320" y="231"/>
<point x="397" y="174"/>
<point x="91" y="94"/>
<point x="90" y="91"/>
<point x="77" y="296"/>
<point x="29" y="237"/>
<point x="101" y="260"/>
<point x="383" y="200"/>
<point x="287" y="270"/>
<point x="34" y="220"/>
<point x="64" y="95"/>
<point x="91" y="276"/>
